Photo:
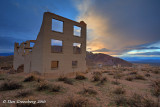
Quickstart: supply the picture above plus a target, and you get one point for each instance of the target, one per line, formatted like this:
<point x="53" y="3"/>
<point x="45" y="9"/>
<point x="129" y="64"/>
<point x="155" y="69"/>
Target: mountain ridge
<point x="104" y="59"/>
<point x="91" y="60"/>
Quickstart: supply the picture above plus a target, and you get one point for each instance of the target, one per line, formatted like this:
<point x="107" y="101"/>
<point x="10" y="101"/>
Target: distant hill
<point x="6" y="54"/>
<point x="154" y="61"/>
<point x="104" y="59"/>
<point x="6" y="61"/>
<point x="91" y="59"/>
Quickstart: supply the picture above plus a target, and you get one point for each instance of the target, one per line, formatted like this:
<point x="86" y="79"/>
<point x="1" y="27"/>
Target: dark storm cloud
<point x="101" y="50"/>
<point x="118" y="24"/>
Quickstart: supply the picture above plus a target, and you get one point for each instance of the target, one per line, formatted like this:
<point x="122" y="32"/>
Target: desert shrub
<point x="65" y="80"/>
<point x="140" y="77"/>
<point x="88" y="91"/>
<point x="30" y="78"/>
<point x="129" y="78"/>
<point x="120" y="100"/>
<point x="115" y="82"/>
<point x="76" y="102"/>
<point x="117" y="76"/>
<point x="155" y="88"/>
<point x="105" y="71"/>
<point x="10" y="85"/>
<point x="62" y="78"/>
<point x="80" y="77"/>
<point x="43" y="86"/>
<point x="137" y="100"/>
<point x="69" y="81"/>
<point x="104" y="79"/>
<point x="143" y="69"/>
<point x="133" y="73"/>
<point x="110" y="73"/>
<point x="1" y="78"/>
<point x="56" y="88"/>
<point x="148" y="102"/>
<point x="156" y="71"/>
<point x="119" y="90"/>
<point x="24" y="93"/>
<point x="38" y="79"/>
<point x="34" y="76"/>
<point x="97" y="76"/>
<point x="147" y="75"/>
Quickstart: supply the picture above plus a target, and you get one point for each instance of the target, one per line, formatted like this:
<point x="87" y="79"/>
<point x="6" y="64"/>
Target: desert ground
<point x="107" y="86"/>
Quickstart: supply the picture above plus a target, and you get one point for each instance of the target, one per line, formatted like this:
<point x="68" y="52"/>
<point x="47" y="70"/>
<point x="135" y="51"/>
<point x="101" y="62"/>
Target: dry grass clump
<point x="115" y="82"/>
<point x="104" y="79"/>
<point x="43" y="86"/>
<point x="1" y="78"/>
<point x="129" y="78"/>
<point x="140" y="77"/>
<point x="31" y="78"/>
<point x="88" y="91"/>
<point x="141" y="101"/>
<point x="120" y="100"/>
<point x="68" y="81"/>
<point x="46" y="86"/>
<point x="119" y="90"/>
<point x="62" y="78"/>
<point x="156" y="71"/>
<point x="135" y="100"/>
<point x="117" y="75"/>
<point x="110" y="73"/>
<point x="155" y="88"/>
<point x="80" y="77"/>
<point x="24" y="93"/>
<point x="147" y="75"/>
<point x="105" y="71"/>
<point x="10" y="85"/>
<point x="56" y="88"/>
<point x="76" y="102"/>
<point x="97" y="76"/>
<point x="133" y="73"/>
<point x="65" y="80"/>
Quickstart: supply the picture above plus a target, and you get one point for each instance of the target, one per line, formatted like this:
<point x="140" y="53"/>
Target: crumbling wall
<point x="18" y="56"/>
<point x="40" y="57"/>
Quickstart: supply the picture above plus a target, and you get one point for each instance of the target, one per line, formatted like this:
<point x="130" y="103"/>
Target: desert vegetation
<point x="105" y="87"/>
<point x="10" y="85"/>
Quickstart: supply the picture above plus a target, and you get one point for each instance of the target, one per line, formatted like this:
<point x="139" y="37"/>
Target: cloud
<point x="101" y="50"/>
<point x="149" y="53"/>
<point x="139" y="48"/>
<point x="117" y="25"/>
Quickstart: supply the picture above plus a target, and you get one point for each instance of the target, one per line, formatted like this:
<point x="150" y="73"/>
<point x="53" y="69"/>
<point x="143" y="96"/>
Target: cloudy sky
<point x="122" y="28"/>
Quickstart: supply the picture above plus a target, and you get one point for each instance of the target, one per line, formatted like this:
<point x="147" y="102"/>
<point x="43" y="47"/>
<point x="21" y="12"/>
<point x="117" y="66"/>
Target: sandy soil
<point x="104" y="97"/>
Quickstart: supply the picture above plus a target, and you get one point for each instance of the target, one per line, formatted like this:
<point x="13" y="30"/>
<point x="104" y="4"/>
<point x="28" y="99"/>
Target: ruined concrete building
<point x="60" y="47"/>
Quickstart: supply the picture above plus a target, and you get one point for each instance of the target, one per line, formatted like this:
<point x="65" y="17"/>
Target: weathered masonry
<point x="60" y="47"/>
